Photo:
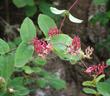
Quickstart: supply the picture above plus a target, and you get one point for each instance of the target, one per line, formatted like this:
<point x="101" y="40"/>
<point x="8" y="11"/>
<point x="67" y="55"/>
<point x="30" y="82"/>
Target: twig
<point x="62" y="22"/>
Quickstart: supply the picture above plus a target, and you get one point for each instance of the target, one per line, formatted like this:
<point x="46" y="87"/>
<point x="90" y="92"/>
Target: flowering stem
<point x="62" y="22"/>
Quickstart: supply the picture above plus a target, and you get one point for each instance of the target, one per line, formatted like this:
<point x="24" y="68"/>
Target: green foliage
<point x="88" y="84"/>
<point x="18" y="87"/>
<point x="44" y="7"/>
<point x="27" y="30"/>
<point x="6" y="66"/>
<point x="42" y="83"/>
<point x="108" y="62"/>
<point x="23" y="3"/>
<point x="4" y="47"/>
<point x="89" y="91"/>
<point x="52" y="80"/>
<point x="100" y="2"/>
<point x="19" y="3"/>
<point x="30" y="10"/>
<point x="60" y="43"/>
<point x="23" y="54"/>
<point x="40" y="61"/>
<point x="100" y="17"/>
<point x="17" y="62"/>
<point x="99" y="78"/>
<point x="104" y="88"/>
<point x="56" y="83"/>
<point x="45" y="23"/>
<point x="28" y="70"/>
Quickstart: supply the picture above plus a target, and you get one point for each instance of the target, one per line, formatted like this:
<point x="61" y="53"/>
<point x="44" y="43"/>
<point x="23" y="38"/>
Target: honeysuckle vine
<point x="36" y="50"/>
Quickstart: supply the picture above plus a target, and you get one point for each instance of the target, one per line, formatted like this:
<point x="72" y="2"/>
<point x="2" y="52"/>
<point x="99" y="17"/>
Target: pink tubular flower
<point x="75" y="46"/>
<point x="41" y="47"/>
<point x="96" y="69"/>
<point x="76" y="42"/>
<point x="53" y="31"/>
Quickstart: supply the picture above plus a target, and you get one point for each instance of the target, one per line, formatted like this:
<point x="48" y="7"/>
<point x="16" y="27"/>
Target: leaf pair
<point x="25" y="51"/>
<point x="65" y="12"/>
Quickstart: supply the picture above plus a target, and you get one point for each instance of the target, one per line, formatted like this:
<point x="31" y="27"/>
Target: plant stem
<point x="62" y="22"/>
<point x="73" y="5"/>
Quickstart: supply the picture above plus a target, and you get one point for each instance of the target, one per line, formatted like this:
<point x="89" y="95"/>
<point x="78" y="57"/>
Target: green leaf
<point x="44" y="7"/>
<point x="108" y="62"/>
<point x="23" y="3"/>
<point x="27" y="30"/>
<point x="19" y="3"/>
<point x="60" y="43"/>
<point x="88" y="83"/>
<point x="28" y="70"/>
<point x="89" y="91"/>
<point x="37" y="69"/>
<point x="17" y="85"/>
<point x="17" y="40"/>
<point x="99" y="78"/>
<point x="57" y="11"/>
<point x="30" y="2"/>
<point x="12" y="45"/>
<point x="42" y="83"/>
<point x="6" y="66"/>
<point x="30" y="10"/>
<point x="56" y="83"/>
<point x="40" y="61"/>
<point x="100" y="17"/>
<point x="16" y="81"/>
<point x="20" y="91"/>
<point x="23" y="54"/>
<point x="4" y="47"/>
<point x="103" y="88"/>
<point x="100" y="2"/>
<point x="45" y="23"/>
<point x="74" y="19"/>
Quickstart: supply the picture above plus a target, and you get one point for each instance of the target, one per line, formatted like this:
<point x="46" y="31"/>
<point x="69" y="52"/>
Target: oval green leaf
<point x="45" y="23"/>
<point x="103" y="88"/>
<point x="89" y="91"/>
<point x="23" y="54"/>
<point x="4" y="47"/>
<point x="27" y="30"/>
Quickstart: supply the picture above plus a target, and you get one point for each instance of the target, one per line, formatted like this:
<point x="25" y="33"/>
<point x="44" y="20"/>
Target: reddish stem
<point x="73" y="5"/>
<point x="62" y="22"/>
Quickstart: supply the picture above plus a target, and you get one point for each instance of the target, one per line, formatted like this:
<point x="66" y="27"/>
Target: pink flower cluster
<point x="41" y="47"/>
<point x="75" y="46"/>
<point x="96" y="69"/>
<point x="53" y="31"/>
